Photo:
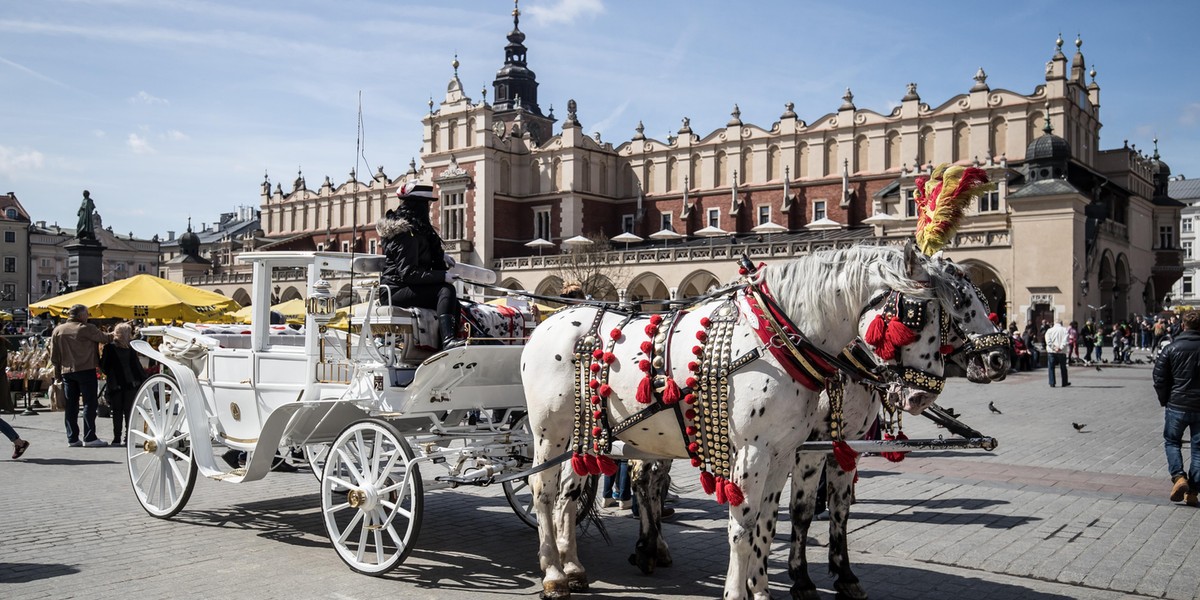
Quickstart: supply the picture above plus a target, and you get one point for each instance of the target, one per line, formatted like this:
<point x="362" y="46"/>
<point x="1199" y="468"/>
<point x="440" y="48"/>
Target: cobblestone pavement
<point x="1052" y="513"/>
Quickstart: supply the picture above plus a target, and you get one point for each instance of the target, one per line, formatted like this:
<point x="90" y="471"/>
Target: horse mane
<point x="814" y="287"/>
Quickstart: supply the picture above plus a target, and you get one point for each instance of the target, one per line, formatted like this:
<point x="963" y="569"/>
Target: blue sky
<point x="166" y="109"/>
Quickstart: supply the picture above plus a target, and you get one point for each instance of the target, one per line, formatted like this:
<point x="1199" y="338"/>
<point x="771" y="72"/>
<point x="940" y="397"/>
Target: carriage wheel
<point x="519" y="492"/>
<point x="314" y="455"/>
<point x="370" y="501"/>
<point x="161" y="465"/>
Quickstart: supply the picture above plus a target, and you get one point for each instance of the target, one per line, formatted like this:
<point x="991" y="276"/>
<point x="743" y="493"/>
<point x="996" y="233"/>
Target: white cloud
<point x="19" y="161"/>
<point x="139" y="144"/>
<point x="175" y="135"/>
<point x="1191" y="115"/>
<point x="566" y="11"/>
<point x="144" y="98"/>
<point x="33" y="73"/>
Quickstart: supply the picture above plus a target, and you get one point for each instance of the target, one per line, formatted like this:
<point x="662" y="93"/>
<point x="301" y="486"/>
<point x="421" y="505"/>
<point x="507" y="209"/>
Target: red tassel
<point x="672" y="393"/>
<point x="845" y="456"/>
<point x="891" y="456"/>
<point x="721" y="499"/>
<point x="874" y="334"/>
<point x="645" y="391"/>
<point x="946" y="349"/>
<point x="578" y="464"/>
<point x="734" y="494"/>
<point x="886" y="351"/>
<point x="899" y="334"/>
<point x="707" y="482"/>
<point x="608" y="466"/>
<point x="899" y="455"/>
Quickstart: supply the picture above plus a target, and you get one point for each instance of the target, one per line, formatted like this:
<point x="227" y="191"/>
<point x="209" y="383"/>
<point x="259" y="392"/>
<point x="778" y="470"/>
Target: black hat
<point x="415" y="190"/>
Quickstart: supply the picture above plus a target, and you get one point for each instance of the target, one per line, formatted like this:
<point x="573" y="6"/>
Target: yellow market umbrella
<point x="5" y="316"/>
<point x="293" y="311"/>
<point x="141" y="297"/>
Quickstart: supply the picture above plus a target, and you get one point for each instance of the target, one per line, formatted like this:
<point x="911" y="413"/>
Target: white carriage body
<point x="272" y="388"/>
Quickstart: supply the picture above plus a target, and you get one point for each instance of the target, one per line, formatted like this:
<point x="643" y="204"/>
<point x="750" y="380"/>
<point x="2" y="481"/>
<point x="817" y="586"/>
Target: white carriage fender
<point x="193" y="403"/>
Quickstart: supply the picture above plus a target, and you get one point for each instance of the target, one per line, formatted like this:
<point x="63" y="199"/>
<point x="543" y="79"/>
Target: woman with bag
<point x="124" y="374"/>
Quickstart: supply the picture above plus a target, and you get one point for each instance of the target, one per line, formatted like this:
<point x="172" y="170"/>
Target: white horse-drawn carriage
<point x="369" y="402"/>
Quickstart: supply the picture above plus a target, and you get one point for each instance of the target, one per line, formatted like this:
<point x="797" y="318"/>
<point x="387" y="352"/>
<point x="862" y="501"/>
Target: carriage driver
<point x="415" y="267"/>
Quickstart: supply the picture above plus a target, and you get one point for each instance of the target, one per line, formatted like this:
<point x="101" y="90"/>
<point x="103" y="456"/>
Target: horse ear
<point x="914" y="261"/>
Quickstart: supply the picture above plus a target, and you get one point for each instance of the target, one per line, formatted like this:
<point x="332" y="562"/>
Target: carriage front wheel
<point x="371" y="499"/>
<point x="161" y="465"/>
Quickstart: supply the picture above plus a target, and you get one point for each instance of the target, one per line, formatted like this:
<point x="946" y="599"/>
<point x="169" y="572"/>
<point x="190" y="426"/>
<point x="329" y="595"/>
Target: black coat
<point x="1176" y="379"/>
<point x="413" y="255"/>
<point x="116" y="379"/>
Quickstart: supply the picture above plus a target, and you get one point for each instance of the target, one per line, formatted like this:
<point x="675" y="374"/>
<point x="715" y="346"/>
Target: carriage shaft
<point x="923" y="445"/>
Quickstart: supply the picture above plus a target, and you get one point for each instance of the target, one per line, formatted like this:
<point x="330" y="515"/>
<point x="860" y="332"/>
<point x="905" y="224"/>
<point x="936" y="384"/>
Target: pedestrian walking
<point x="1177" y="384"/>
<point x="1056" y="352"/>
<point x="19" y="445"/>
<point x="123" y="375"/>
<point x="75" y="354"/>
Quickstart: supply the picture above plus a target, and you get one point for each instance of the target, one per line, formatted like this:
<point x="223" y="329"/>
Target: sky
<point x="170" y="109"/>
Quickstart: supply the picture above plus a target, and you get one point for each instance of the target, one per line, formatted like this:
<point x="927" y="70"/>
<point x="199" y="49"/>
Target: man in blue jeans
<point x="75" y="354"/>
<point x="1057" y="338"/>
<point x="1177" y="383"/>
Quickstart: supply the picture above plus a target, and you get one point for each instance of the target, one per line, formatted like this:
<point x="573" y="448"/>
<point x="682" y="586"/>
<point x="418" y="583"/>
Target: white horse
<point x="970" y="338"/>
<point x="587" y="370"/>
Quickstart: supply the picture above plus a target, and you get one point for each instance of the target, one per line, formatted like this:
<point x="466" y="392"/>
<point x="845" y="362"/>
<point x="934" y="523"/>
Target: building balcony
<point x="1115" y="229"/>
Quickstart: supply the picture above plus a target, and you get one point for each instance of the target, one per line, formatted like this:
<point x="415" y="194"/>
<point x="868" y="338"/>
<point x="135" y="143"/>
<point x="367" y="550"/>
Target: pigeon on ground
<point x="1078" y="426"/>
<point x="992" y="407"/>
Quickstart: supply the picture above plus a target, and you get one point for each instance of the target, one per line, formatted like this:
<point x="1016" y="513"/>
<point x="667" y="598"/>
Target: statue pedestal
<point x="85" y="264"/>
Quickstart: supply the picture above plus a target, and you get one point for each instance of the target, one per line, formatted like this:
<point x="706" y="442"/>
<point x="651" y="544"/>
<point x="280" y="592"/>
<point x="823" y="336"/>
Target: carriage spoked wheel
<point x="162" y="467"/>
<point x="370" y="501"/>
<point x="519" y="492"/>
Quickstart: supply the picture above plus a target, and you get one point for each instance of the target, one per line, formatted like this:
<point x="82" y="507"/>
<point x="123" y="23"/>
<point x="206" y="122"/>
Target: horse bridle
<point x="973" y="344"/>
<point x="914" y="314"/>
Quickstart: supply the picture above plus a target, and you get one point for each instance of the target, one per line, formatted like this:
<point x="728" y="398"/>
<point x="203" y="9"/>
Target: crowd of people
<point x="1093" y="342"/>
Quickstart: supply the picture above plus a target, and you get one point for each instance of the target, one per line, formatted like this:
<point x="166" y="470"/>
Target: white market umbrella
<point x="881" y="218"/>
<point x="539" y="243"/>
<point x="627" y="238"/>
<point x="711" y="232"/>
<point x="769" y="228"/>
<point x="578" y="240"/>
<point x="824" y="224"/>
<point x="666" y="235"/>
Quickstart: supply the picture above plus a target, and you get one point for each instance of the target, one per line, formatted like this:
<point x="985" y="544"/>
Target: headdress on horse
<point x="941" y="200"/>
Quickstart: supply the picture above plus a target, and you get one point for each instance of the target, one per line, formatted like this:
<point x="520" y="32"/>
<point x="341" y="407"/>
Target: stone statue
<point x="85" y="230"/>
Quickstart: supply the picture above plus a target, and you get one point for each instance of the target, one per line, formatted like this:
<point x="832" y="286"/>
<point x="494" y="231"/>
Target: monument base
<point x="85" y="264"/>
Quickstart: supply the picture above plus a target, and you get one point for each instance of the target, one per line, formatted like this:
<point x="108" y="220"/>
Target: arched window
<point x="925" y="155"/>
<point x="556" y="175"/>
<point x="831" y="157"/>
<point x="434" y="131"/>
<point x="585" y="175"/>
<point x="998" y="137"/>
<point x="722" y="174"/>
<point x="603" y="177"/>
<point x="505" y="176"/>
<point x="862" y="149"/>
<point x="801" y="169"/>
<point x="648" y="180"/>
<point x="1034" y="127"/>
<point x="747" y="170"/>
<point x="893" y="150"/>
<point x="673" y="174"/>
<point x="535" y="178"/>
<point x="452" y="134"/>
<point x="962" y="141"/>
<point x="694" y="171"/>
<point x="470" y="131"/>
<point x="627" y="181"/>
<point x="773" y="163"/>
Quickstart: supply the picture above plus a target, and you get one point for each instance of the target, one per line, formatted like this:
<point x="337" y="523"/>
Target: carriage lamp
<point x="321" y="304"/>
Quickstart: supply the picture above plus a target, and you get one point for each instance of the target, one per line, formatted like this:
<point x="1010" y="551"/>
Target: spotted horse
<point x="967" y="336"/>
<point x="731" y="382"/>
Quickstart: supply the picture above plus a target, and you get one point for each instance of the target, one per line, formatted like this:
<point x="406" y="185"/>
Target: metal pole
<point x="924" y="445"/>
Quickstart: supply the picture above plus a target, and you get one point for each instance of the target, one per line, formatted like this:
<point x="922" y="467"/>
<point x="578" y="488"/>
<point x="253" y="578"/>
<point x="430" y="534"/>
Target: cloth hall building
<point x="1072" y="232"/>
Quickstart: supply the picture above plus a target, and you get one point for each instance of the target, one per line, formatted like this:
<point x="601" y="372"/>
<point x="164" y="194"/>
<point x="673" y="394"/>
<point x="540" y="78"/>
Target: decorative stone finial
<point x="571" y="108"/>
<point x="847" y="101"/>
<point x="735" y="117"/>
<point x="1093" y="74"/>
<point x="1058" y="42"/>
<point x="980" y="81"/>
<point x="789" y="111"/>
<point x="1078" y="41"/>
<point x="431" y="105"/>
<point x="640" y="129"/>
<point x="911" y="94"/>
<point x="455" y="64"/>
<point x="687" y="126"/>
<point x="484" y="93"/>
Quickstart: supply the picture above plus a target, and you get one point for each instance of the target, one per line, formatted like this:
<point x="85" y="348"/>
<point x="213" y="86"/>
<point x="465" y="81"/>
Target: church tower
<point x="515" y="88"/>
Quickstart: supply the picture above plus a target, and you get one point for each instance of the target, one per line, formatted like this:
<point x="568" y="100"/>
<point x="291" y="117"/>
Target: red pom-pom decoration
<point x="596" y="431"/>
<point x="615" y="334"/>
<point x="695" y="461"/>
<point x="647" y="347"/>
<point x="691" y="382"/>
<point x="697" y="350"/>
<point x="645" y="391"/>
<point x="605" y="390"/>
<point x="655" y="319"/>
<point x="595" y="399"/>
<point x="608" y="466"/>
<point x="690" y="399"/>
<point x="946" y="349"/>
<point x="691" y="430"/>
<point x="651" y="330"/>
<point x="693" y="366"/>
<point x="690" y="414"/>
<point x="595" y="367"/>
<point x="644" y="366"/>
<point x="702" y="336"/>
<point x="597" y="353"/>
<point x="610" y="358"/>
<point x="742" y="271"/>
<point x="708" y="482"/>
<point x="734" y="494"/>
<point x="705" y="321"/>
<point x="693" y="447"/>
<point x="596" y="414"/>
<point x="579" y="465"/>
<point x="671" y="393"/>
<point x="595" y="383"/>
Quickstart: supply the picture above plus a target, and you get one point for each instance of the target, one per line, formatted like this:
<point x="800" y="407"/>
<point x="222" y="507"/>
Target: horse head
<point x="970" y="338"/>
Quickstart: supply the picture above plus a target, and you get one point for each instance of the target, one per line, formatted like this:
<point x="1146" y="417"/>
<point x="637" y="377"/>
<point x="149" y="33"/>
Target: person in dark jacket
<point x="123" y="375"/>
<point x="1177" y="383"/>
<point x="415" y="270"/>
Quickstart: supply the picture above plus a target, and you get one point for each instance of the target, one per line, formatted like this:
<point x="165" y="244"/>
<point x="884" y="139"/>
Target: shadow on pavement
<point x="964" y="503"/>
<point x="68" y="461"/>
<point x="26" y="572"/>
<point x="877" y="579"/>
<point x="987" y="520"/>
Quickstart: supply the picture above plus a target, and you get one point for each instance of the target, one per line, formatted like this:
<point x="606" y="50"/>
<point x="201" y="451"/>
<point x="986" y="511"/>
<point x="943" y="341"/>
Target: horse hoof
<point x="849" y="591"/>
<point x="577" y="582"/>
<point x="558" y="590"/>
<point x="805" y="594"/>
<point x="644" y="563"/>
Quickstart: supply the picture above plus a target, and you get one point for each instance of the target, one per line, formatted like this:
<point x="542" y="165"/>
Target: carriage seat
<point x="419" y="323"/>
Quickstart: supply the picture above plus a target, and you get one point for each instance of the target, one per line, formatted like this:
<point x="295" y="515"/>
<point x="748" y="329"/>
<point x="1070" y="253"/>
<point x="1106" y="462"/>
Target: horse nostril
<point x="996" y="361"/>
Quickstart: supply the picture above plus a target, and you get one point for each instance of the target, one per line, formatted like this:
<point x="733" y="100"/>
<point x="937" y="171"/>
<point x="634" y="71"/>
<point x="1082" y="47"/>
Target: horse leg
<point x="751" y="467"/>
<point x="841" y="490"/>
<point x="565" y="514"/>
<point x="764" y="532"/>
<point x="548" y="508"/>
<point x="649" y="481"/>
<point x="806" y="475"/>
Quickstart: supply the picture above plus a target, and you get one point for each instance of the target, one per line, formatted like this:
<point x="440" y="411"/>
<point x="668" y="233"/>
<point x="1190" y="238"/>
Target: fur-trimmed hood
<point x="393" y="225"/>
